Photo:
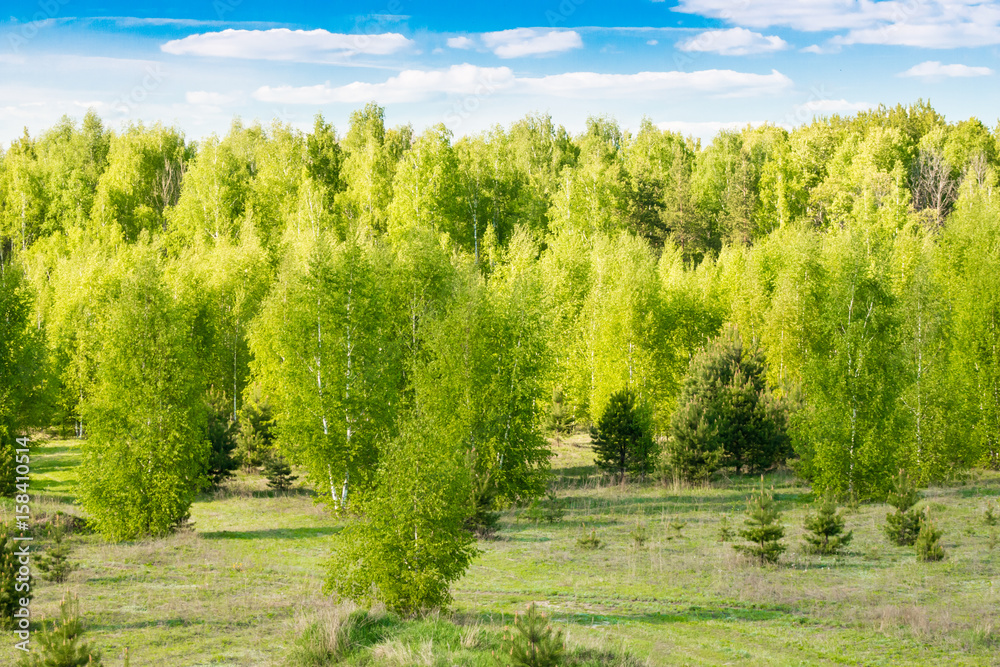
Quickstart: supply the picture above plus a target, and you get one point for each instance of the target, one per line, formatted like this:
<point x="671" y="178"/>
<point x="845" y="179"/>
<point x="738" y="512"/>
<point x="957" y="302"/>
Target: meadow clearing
<point x="243" y="586"/>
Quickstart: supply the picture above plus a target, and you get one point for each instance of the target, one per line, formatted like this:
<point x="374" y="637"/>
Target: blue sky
<point x="689" y="65"/>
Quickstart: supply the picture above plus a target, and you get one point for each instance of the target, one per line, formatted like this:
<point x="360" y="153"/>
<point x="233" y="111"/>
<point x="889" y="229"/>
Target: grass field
<point x="243" y="584"/>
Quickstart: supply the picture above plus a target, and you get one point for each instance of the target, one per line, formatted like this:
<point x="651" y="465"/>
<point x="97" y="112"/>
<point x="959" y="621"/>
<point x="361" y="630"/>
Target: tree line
<point x="405" y="305"/>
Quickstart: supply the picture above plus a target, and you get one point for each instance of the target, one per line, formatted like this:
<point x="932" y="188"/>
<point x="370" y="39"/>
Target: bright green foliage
<point x="533" y="643"/>
<point x="763" y="530"/>
<point x="849" y="439"/>
<point x="61" y="644"/>
<point x="367" y="169"/>
<point x="142" y="179"/>
<point x="903" y="525"/>
<point x="827" y="529"/>
<point x="726" y="413"/>
<point x="929" y="540"/>
<point x="277" y="472"/>
<point x="623" y="439"/>
<point x="54" y="561"/>
<point x="327" y="354"/>
<point x="22" y="369"/>
<point x="11" y="590"/>
<point x="410" y="542"/>
<point x="146" y="454"/>
<point x="425" y="189"/>
<point x="482" y="378"/>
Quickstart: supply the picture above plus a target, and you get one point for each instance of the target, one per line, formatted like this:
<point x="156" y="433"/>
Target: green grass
<point x="245" y="583"/>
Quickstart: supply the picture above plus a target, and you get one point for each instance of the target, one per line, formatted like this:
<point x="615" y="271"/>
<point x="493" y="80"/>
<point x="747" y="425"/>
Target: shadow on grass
<point x="272" y="533"/>
<point x="692" y="614"/>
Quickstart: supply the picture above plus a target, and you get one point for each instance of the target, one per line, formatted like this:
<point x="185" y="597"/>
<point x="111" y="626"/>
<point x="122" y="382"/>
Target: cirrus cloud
<point x="284" y="44"/>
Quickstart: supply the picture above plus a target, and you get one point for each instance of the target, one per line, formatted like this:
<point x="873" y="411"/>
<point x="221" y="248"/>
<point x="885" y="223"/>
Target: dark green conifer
<point x="826" y="529"/>
<point x="763" y="531"/>
<point x="623" y="440"/>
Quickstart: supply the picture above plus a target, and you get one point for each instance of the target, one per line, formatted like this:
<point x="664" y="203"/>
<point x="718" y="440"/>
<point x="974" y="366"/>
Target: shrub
<point x="533" y="642"/>
<point x="411" y="540"/>
<point x="827" y="529"/>
<point x="726" y="414"/>
<point x="485" y="519"/>
<point x="928" y="541"/>
<point x="61" y="644"/>
<point x="338" y="633"/>
<point x="903" y="526"/>
<point x="763" y="530"/>
<point x="623" y="439"/>
<point x="639" y="535"/>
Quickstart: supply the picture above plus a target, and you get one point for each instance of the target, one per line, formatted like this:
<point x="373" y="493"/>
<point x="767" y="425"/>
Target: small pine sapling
<point x="928" y="541"/>
<point x="9" y="594"/>
<point x="278" y="473"/>
<point x="560" y="420"/>
<point x="725" y="530"/>
<point x="763" y="531"/>
<point x="903" y="526"/>
<point x="677" y="526"/>
<point x="639" y="535"/>
<point x="990" y="514"/>
<point x="826" y="529"/>
<point x="589" y="542"/>
<point x="54" y="562"/>
<point x="62" y="643"/>
<point x="533" y="642"/>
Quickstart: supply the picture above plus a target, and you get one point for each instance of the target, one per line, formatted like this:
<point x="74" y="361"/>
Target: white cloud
<point x="207" y="98"/>
<point x="813" y="48"/>
<point x="933" y="69"/>
<point x="651" y="84"/>
<point x="823" y="107"/>
<point x="733" y="42"/>
<point x="652" y="42"/>
<point x="285" y="44"/>
<point x="408" y="86"/>
<point x="935" y="24"/>
<point x="460" y="43"/>
<point x="932" y="35"/>
<point x="531" y="42"/>
<point x="466" y="79"/>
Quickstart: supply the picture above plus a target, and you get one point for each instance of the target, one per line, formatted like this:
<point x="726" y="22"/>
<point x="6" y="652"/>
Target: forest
<point x="410" y="320"/>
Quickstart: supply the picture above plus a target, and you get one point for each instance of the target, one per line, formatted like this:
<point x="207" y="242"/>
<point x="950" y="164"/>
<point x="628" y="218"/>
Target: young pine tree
<point x="255" y="436"/>
<point x="903" y="526"/>
<point x="726" y="413"/>
<point x="9" y="594"/>
<point x="826" y="529"/>
<point x="222" y="438"/>
<point x="560" y="420"/>
<point x="763" y="531"/>
<point x="61" y="644"/>
<point x="533" y="642"/>
<point x="278" y="473"/>
<point x="54" y="561"/>
<point x="928" y="541"/>
<point x="623" y="439"/>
